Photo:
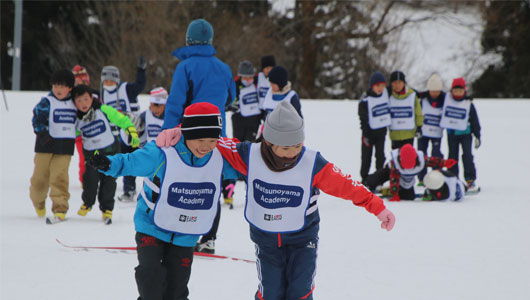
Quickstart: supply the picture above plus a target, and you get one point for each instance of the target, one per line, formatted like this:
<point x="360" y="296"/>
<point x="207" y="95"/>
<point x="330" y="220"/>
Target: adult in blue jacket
<point x="167" y="232"/>
<point x="199" y="77"/>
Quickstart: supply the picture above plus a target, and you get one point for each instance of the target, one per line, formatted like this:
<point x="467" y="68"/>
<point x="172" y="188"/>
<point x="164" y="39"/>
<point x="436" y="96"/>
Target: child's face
<point x="378" y="88"/>
<point x="434" y="94"/>
<point x="61" y="91"/>
<point x="286" y="151"/>
<point x="109" y="83"/>
<point x="83" y="102"/>
<point x="266" y="70"/>
<point x="398" y="85"/>
<point x="157" y="109"/>
<point x="201" y="147"/>
<point x="275" y="88"/>
<point x="458" y="92"/>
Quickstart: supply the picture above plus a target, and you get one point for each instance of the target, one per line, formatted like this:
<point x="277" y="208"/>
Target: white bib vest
<point x="263" y="86"/>
<point x="153" y="126"/>
<point x="455" y="114"/>
<point x="270" y="104"/>
<point x="278" y="201"/>
<point x="62" y="118"/>
<point x="248" y="101"/>
<point x="402" y="113"/>
<point x="431" y="120"/>
<point x="118" y="98"/>
<point x="96" y="134"/>
<point x="408" y="176"/>
<point x="378" y="111"/>
<point x="189" y="195"/>
<point x="456" y="188"/>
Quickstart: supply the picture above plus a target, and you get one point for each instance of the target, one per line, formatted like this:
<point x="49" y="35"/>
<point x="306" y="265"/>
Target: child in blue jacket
<point x="178" y="203"/>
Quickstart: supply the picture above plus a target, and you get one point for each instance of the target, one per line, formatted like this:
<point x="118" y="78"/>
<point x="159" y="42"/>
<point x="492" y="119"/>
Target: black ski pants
<point x="399" y="144"/>
<point x="100" y="185"/>
<point x="163" y="269"/>
<point x="465" y="140"/>
<point x="367" y="146"/>
<point x="423" y="144"/>
<point x="245" y="128"/>
<point x="383" y="175"/>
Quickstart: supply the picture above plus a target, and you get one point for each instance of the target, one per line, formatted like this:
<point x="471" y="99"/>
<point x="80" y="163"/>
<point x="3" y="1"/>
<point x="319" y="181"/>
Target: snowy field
<point x="475" y="249"/>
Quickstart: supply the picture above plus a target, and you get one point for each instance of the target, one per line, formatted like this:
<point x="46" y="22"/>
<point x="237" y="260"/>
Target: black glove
<point x="142" y="63"/>
<point x="44" y="138"/>
<point x="99" y="162"/>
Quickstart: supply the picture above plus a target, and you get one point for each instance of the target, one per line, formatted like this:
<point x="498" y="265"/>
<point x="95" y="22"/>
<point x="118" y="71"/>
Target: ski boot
<point x="83" y="211"/>
<point x="57" y="218"/>
<point x="206" y="247"/>
<point x="107" y="217"/>
<point x="472" y="187"/>
<point x="229" y="202"/>
<point x="127" y="196"/>
<point x="41" y="212"/>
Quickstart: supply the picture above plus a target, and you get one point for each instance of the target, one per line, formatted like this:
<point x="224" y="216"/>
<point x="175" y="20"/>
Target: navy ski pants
<point x="454" y="142"/>
<point x="286" y="272"/>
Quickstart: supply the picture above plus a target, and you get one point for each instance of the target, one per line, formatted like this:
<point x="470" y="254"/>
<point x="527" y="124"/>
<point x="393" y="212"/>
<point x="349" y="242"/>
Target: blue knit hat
<point x="278" y="75"/>
<point x="377" y="77"/>
<point x="199" y="32"/>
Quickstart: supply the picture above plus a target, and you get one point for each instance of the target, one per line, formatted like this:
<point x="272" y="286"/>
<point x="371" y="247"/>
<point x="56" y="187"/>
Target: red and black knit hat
<point x="81" y="72"/>
<point x="201" y="120"/>
<point x="408" y="156"/>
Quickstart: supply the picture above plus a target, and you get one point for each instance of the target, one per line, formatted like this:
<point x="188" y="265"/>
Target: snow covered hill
<point x="475" y="249"/>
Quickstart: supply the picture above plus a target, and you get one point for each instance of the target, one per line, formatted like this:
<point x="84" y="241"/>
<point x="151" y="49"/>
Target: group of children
<point x="409" y="114"/>
<point x="105" y="121"/>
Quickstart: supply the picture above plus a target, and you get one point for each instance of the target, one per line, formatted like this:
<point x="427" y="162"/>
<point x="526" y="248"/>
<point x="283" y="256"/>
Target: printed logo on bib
<point x="401" y="112"/>
<point x="121" y="107"/>
<point x="380" y="109"/>
<point x="263" y="91"/>
<point x="184" y="218"/>
<point x="268" y="217"/>
<point x="273" y="196"/>
<point x="64" y="115"/>
<point x="94" y="128"/>
<point x="250" y="98"/>
<point x="153" y="130"/>
<point x="191" y="195"/>
<point x="431" y="119"/>
<point x="455" y="112"/>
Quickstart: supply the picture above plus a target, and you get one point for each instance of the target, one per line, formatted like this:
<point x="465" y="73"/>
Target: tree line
<point x="329" y="47"/>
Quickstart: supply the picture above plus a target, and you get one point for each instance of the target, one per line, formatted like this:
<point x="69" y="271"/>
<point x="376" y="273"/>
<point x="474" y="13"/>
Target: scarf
<point x="274" y="162"/>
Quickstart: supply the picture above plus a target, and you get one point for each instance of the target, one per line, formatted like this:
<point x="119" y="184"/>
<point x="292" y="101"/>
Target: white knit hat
<point x="434" y="180"/>
<point x="434" y="83"/>
<point x="284" y="126"/>
<point x="158" y="95"/>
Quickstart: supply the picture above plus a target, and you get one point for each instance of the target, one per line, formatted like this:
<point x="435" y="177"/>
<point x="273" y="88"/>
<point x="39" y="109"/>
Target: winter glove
<point x="449" y="163"/>
<point x="387" y="219"/>
<point x="99" y="162"/>
<point x="142" y="63"/>
<point x="395" y="198"/>
<point x="366" y="141"/>
<point x="418" y="132"/>
<point x="168" y="137"/>
<point x="134" y="140"/>
<point x="44" y="137"/>
<point x="477" y="142"/>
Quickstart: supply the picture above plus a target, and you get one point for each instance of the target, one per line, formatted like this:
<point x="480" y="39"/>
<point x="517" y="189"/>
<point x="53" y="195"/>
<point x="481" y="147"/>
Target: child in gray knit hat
<point x="284" y="180"/>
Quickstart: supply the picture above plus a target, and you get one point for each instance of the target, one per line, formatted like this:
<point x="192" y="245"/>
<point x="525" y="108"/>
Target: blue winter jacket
<point x="199" y="77"/>
<point x="150" y="162"/>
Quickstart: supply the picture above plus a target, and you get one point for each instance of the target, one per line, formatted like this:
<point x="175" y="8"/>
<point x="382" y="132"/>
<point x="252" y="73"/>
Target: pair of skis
<point x="199" y="254"/>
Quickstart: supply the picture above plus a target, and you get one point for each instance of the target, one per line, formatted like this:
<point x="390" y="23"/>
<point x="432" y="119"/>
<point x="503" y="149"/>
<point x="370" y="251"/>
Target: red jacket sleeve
<point x="331" y="180"/>
<point x="227" y="147"/>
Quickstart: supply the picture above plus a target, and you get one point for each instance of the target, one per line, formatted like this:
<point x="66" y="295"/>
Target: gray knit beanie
<point x="284" y="126"/>
<point x="110" y="73"/>
<point x="245" y="69"/>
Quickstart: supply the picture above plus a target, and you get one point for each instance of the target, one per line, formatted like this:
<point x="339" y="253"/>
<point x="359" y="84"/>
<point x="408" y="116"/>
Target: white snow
<point x="475" y="249"/>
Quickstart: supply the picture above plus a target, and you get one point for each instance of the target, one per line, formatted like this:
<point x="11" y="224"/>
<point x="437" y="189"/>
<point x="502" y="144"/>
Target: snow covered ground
<point x="475" y="249"/>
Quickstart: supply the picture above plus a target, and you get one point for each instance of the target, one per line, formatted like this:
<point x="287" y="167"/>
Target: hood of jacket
<point x="185" y="52"/>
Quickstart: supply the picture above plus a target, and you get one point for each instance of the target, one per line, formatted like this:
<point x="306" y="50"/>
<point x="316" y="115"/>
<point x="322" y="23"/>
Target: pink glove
<point x="168" y="137"/>
<point x="387" y="219"/>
